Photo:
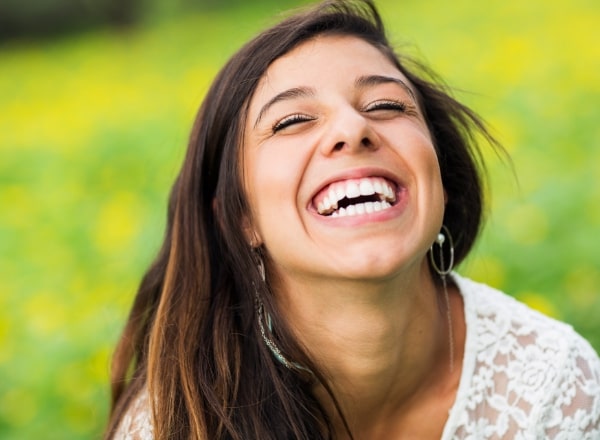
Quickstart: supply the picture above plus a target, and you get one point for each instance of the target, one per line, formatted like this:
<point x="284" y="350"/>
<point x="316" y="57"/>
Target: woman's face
<point x="339" y="167"/>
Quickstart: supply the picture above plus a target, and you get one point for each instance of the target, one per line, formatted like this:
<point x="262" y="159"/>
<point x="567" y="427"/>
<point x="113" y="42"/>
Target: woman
<point x="305" y="287"/>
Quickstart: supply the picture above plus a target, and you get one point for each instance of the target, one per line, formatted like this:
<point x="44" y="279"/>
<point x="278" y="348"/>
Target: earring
<point x="267" y="340"/>
<point x="264" y="317"/>
<point x="442" y="270"/>
<point x="440" y="240"/>
<point x="261" y="267"/>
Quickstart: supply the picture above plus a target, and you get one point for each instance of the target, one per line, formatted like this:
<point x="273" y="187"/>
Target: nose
<point x="349" y="132"/>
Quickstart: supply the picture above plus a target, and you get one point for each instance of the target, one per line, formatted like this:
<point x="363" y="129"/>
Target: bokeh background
<point x="96" y="102"/>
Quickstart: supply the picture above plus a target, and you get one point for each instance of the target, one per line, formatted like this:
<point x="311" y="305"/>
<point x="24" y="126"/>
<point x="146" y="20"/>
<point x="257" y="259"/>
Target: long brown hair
<point x="192" y="336"/>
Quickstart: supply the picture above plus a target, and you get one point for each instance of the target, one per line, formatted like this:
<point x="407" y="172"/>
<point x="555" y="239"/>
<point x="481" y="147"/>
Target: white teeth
<point x="366" y="188"/>
<point x="361" y="208"/>
<point x="378" y="187"/>
<point x="332" y="199"/>
<point x="352" y="190"/>
<point x="389" y="192"/>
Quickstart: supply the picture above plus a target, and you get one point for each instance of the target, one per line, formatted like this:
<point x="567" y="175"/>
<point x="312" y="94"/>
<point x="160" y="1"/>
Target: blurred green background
<point x="94" y="124"/>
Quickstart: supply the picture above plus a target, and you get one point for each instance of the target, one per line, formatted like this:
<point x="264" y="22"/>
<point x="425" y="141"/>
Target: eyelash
<point x="290" y="120"/>
<point x="388" y="104"/>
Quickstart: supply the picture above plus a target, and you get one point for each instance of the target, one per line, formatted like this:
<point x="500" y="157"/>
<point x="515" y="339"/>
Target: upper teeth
<point x="352" y="189"/>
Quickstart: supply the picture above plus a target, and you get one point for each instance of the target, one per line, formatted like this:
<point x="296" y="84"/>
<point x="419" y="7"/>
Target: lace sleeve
<point x="136" y="423"/>
<point x="525" y="376"/>
<point x="574" y="406"/>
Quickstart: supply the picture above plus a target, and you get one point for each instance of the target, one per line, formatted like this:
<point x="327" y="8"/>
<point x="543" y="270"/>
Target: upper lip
<point x="357" y="173"/>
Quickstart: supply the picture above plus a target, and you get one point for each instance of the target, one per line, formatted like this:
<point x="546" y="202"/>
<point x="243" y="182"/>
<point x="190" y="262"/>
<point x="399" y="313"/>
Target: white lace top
<point x="525" y="376"/>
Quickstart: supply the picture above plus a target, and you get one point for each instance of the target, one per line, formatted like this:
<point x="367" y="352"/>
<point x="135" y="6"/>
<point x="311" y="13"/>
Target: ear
<point x="252" y="236"/>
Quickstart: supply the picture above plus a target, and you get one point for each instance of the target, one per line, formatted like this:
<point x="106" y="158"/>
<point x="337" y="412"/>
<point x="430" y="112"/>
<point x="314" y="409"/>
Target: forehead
<point x="323" y="60"/>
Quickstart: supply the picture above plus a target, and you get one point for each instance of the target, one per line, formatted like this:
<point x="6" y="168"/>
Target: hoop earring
<point x="265" y="318"/>
<point x="440" y="240"/>
<point x="442" y="270"/>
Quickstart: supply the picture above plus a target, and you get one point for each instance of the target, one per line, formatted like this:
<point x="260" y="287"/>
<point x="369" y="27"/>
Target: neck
<point x="381" y="344"/>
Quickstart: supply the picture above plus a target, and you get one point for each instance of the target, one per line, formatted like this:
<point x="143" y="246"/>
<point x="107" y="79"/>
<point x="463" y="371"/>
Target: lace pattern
<point x="137" y="421"/>
<point x="525" y="377"/>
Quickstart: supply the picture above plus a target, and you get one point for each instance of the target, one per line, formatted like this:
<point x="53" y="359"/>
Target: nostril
<point x="366" y="142"/>
<point x="338" y="146"/>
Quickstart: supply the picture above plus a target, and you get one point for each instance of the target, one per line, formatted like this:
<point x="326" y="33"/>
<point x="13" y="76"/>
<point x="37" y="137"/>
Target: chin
<point x="380" y="266"/>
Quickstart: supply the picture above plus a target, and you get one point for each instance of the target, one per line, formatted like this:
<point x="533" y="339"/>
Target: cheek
<point x="425" y="152"/>
<point x="438" y="192"/>
<point x="421" y="156"/>
<point x="417" y="151"/>
<point x="434" y="176"/>
<point x="273" y="175"/>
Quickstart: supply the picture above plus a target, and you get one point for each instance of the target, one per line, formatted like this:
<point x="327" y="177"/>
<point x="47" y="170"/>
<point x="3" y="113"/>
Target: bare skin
<point x="357" y="290"/>
<point x="388" y="362"/>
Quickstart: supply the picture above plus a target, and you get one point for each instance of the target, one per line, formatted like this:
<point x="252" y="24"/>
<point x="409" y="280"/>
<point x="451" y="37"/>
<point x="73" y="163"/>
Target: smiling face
<point x="339" y="168"/>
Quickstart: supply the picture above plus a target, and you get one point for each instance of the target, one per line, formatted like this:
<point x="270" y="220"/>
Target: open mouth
<point x="356" y="197"/>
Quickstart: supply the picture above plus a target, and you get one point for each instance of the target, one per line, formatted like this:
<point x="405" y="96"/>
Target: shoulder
<point x="539" y="372"/>
<point x="136" y="423"/>
<point x="500" y="318"/>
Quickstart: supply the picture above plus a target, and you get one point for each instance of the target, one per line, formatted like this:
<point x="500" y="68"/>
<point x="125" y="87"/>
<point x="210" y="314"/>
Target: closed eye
<point x="290" y="120"/>
<point x="388" y="104"/>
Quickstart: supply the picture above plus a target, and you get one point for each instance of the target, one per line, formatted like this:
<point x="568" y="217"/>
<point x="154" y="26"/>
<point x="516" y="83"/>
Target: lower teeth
<point x="361" y="208"/>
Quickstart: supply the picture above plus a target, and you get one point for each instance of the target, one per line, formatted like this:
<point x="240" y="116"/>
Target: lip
<point x="359" y="173"/>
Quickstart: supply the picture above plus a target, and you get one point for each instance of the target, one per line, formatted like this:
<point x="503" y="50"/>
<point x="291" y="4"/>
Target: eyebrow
<point x="296" y="92"/>
<point x="375" y="80"/>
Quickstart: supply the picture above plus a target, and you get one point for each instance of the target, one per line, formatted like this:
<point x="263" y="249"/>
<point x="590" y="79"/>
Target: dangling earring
<point x="443" y="270"/>
<point x="264" y="316"/>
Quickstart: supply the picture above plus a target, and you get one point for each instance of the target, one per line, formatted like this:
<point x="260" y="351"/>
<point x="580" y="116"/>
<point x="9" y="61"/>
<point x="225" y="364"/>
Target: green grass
<point x="93" y="129"/>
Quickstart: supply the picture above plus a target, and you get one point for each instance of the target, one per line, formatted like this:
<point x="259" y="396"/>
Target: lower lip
<point x="375" y="217"/>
